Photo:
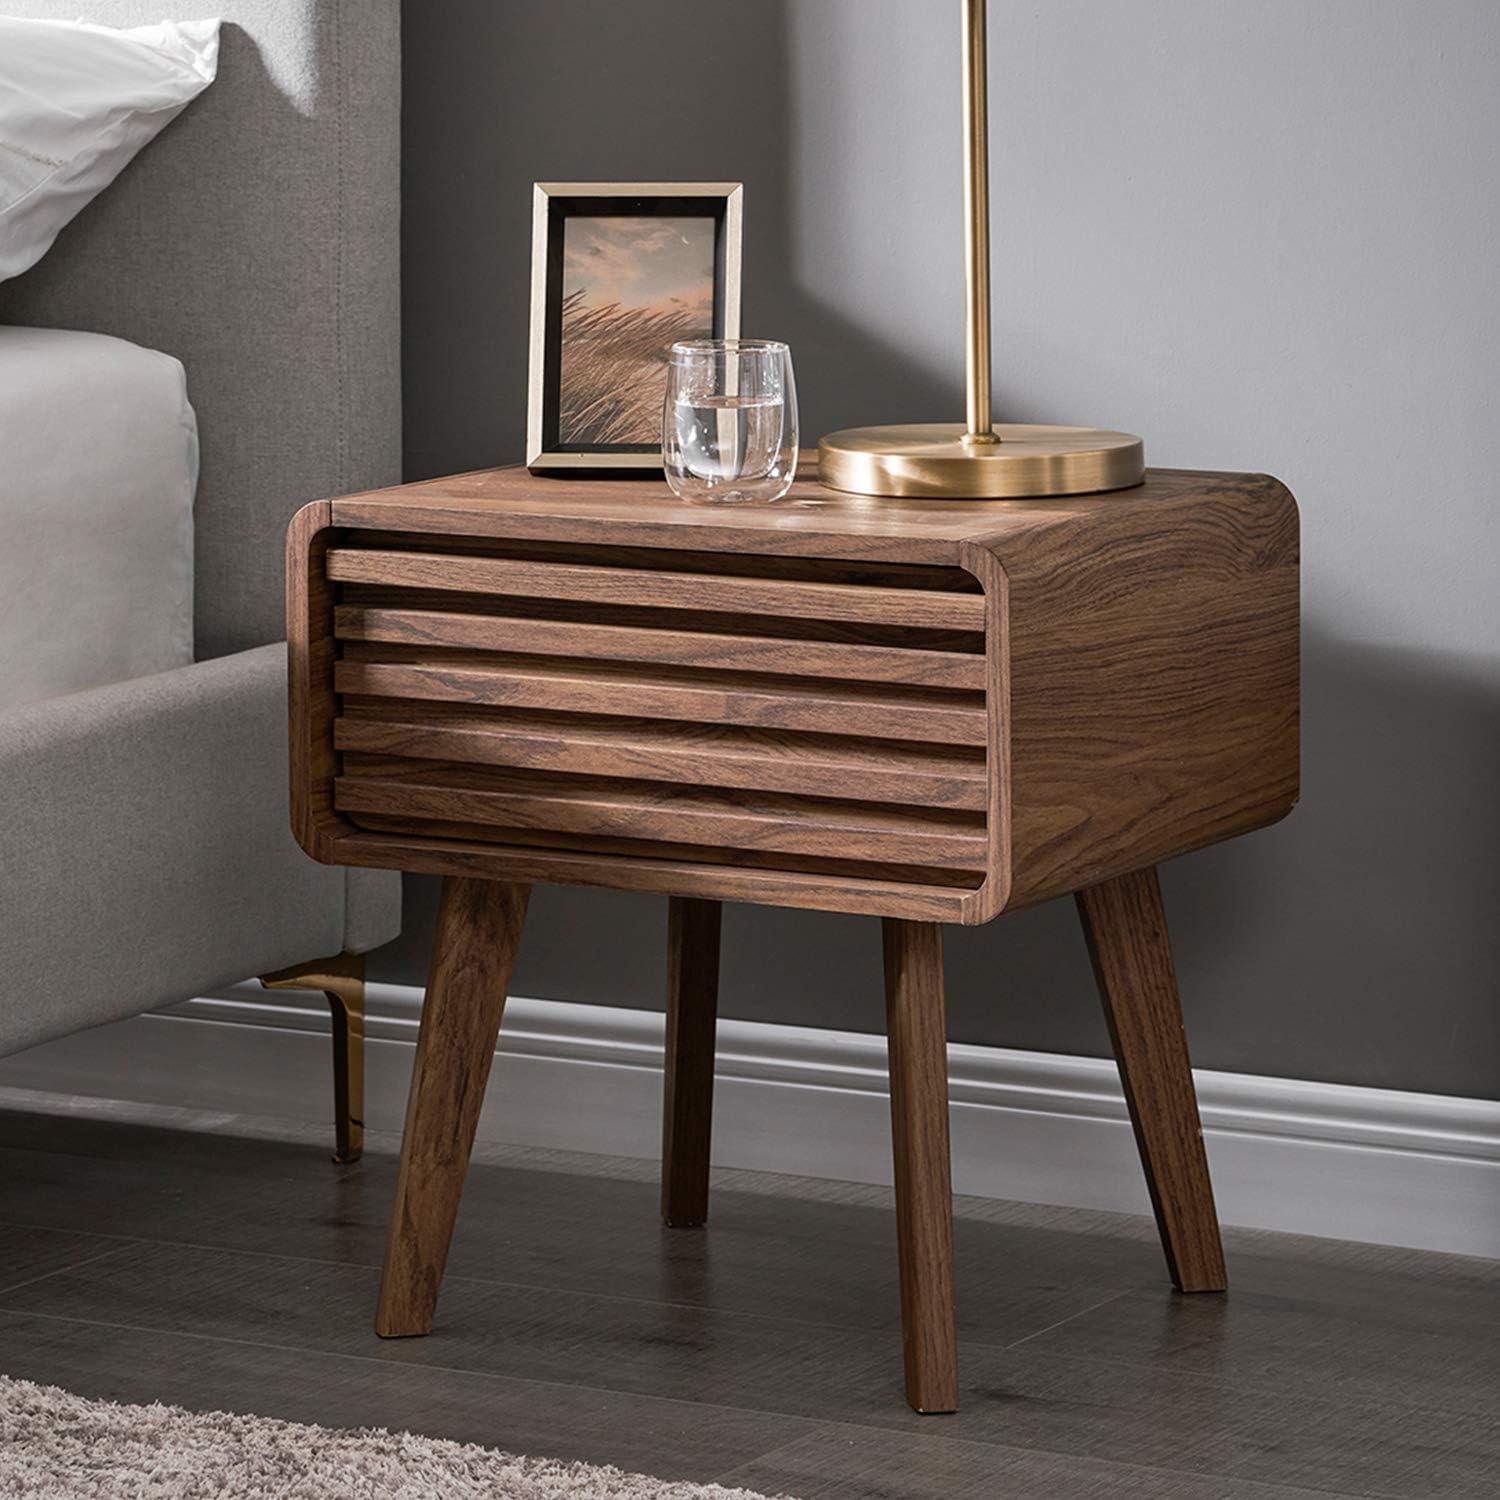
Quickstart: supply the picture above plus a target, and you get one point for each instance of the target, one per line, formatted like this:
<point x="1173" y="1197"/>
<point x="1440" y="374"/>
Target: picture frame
<point x="614" y="266"/>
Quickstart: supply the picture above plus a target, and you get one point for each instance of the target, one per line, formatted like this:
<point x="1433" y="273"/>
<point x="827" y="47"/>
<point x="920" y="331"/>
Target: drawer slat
<point x="826" y="708"/>
<point x="741" y="859"/>
<point x="664" y="617"/>
<point x="917" y="668"/>
<point x="752" y="760"/>
<point x="925" y="608"/>
<point x="603" y="810"/>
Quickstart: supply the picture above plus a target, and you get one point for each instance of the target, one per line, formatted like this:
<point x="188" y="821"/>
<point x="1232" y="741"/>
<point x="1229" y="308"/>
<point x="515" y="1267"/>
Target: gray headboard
<point x="258" y="240"/>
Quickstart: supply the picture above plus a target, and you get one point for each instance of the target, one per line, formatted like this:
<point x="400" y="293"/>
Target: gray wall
<point x="1265" y="237"/>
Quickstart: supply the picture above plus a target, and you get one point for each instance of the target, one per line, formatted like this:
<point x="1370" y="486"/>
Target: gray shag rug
<point x="57" y="1446"/>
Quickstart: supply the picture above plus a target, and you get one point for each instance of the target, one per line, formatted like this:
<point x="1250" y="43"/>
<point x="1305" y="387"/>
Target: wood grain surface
<point x="792" y="703"/>
<point x="816" y="717"/>
<point x="409" y="845"/>
<point x="592" y="641"/>
<point x="588" y="807"/>
<point x="474" y="950"/>
<point x="812" y="522"/>
<point x="610" y="584"/>
<point x="1153" y="682"/>
<point x="311" y="705"/>
<point x="1105" y="680"/>
<point x="1125" y="925"/>
<point x="918" y="1045"/>
<point x="678" y="753"/>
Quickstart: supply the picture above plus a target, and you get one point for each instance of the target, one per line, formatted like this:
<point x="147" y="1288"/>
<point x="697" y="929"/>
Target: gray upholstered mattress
<point x="98" y="466"/>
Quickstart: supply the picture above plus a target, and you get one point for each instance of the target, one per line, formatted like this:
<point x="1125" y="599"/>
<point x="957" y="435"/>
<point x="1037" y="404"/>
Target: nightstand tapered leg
<point x="1126" y="928"/>
<point x="478" y="933"/>
<point x="919" y="1138"/>
<point x="688" y="1086"/>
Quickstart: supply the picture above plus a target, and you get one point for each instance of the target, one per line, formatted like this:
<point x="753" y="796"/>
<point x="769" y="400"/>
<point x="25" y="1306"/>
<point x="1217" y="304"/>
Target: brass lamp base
<point x="941" y="461"/>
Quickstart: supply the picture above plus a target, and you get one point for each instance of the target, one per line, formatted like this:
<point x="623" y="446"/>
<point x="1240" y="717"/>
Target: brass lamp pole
<point x="977" y="218"/>
<point x="976" y="459"/>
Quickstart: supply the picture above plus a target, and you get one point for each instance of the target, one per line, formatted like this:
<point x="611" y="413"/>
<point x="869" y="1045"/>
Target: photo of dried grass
<point x="631" y="288"/>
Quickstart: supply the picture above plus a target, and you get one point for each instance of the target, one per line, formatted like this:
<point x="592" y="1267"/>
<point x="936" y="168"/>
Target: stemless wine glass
<point x="729" y="425"/>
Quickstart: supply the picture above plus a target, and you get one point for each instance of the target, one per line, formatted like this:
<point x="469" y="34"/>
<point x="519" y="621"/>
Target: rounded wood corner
<point x="307" y="520"/>
<point x="987" y="901"/>
<point x="1278" y="487"/>
<point x="1277" y="495"/>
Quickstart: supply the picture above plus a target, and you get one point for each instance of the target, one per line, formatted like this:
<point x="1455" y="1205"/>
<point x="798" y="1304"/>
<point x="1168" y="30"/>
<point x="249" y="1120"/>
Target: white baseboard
<point x="1324" y="1159"/>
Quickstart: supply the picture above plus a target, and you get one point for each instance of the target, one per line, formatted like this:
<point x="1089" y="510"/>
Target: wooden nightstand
<point x="924" y="711"/>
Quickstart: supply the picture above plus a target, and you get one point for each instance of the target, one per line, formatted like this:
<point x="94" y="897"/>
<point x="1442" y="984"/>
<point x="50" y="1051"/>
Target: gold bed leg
<point x="342" y="980"/>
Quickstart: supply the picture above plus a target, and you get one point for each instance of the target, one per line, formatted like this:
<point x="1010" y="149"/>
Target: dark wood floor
<point x="217" y="1271"/>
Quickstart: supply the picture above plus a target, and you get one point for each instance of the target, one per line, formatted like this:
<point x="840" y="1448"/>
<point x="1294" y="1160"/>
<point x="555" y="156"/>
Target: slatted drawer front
<point x="780" y="714"/>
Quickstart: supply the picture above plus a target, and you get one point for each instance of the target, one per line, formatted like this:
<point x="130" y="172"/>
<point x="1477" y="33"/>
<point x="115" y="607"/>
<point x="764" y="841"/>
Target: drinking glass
<point x="729" y="425"/>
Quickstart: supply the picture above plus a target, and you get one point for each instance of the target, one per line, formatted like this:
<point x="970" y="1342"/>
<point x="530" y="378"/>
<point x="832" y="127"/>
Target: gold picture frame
<point x="619" y="272"/>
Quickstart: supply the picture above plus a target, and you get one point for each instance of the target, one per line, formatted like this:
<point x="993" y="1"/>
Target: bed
<point x="211" y="343"/>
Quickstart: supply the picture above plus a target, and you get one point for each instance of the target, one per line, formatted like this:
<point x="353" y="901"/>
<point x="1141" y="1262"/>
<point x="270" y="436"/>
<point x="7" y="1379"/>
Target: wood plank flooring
<point x="215" y="1269"/>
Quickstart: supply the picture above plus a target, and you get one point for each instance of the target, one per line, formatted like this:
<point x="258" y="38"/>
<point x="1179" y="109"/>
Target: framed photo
<point x="619" y="273"/>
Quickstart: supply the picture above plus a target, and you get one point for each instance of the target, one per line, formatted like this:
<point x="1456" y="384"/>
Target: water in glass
<point x="729" y="428"/>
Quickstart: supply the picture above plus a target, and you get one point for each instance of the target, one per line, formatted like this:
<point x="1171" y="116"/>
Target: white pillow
<point x="76" y="103"/>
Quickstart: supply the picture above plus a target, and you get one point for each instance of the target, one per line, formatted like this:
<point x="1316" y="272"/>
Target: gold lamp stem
<point x="977" y="215"/>
<point x="977" y="460"/>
